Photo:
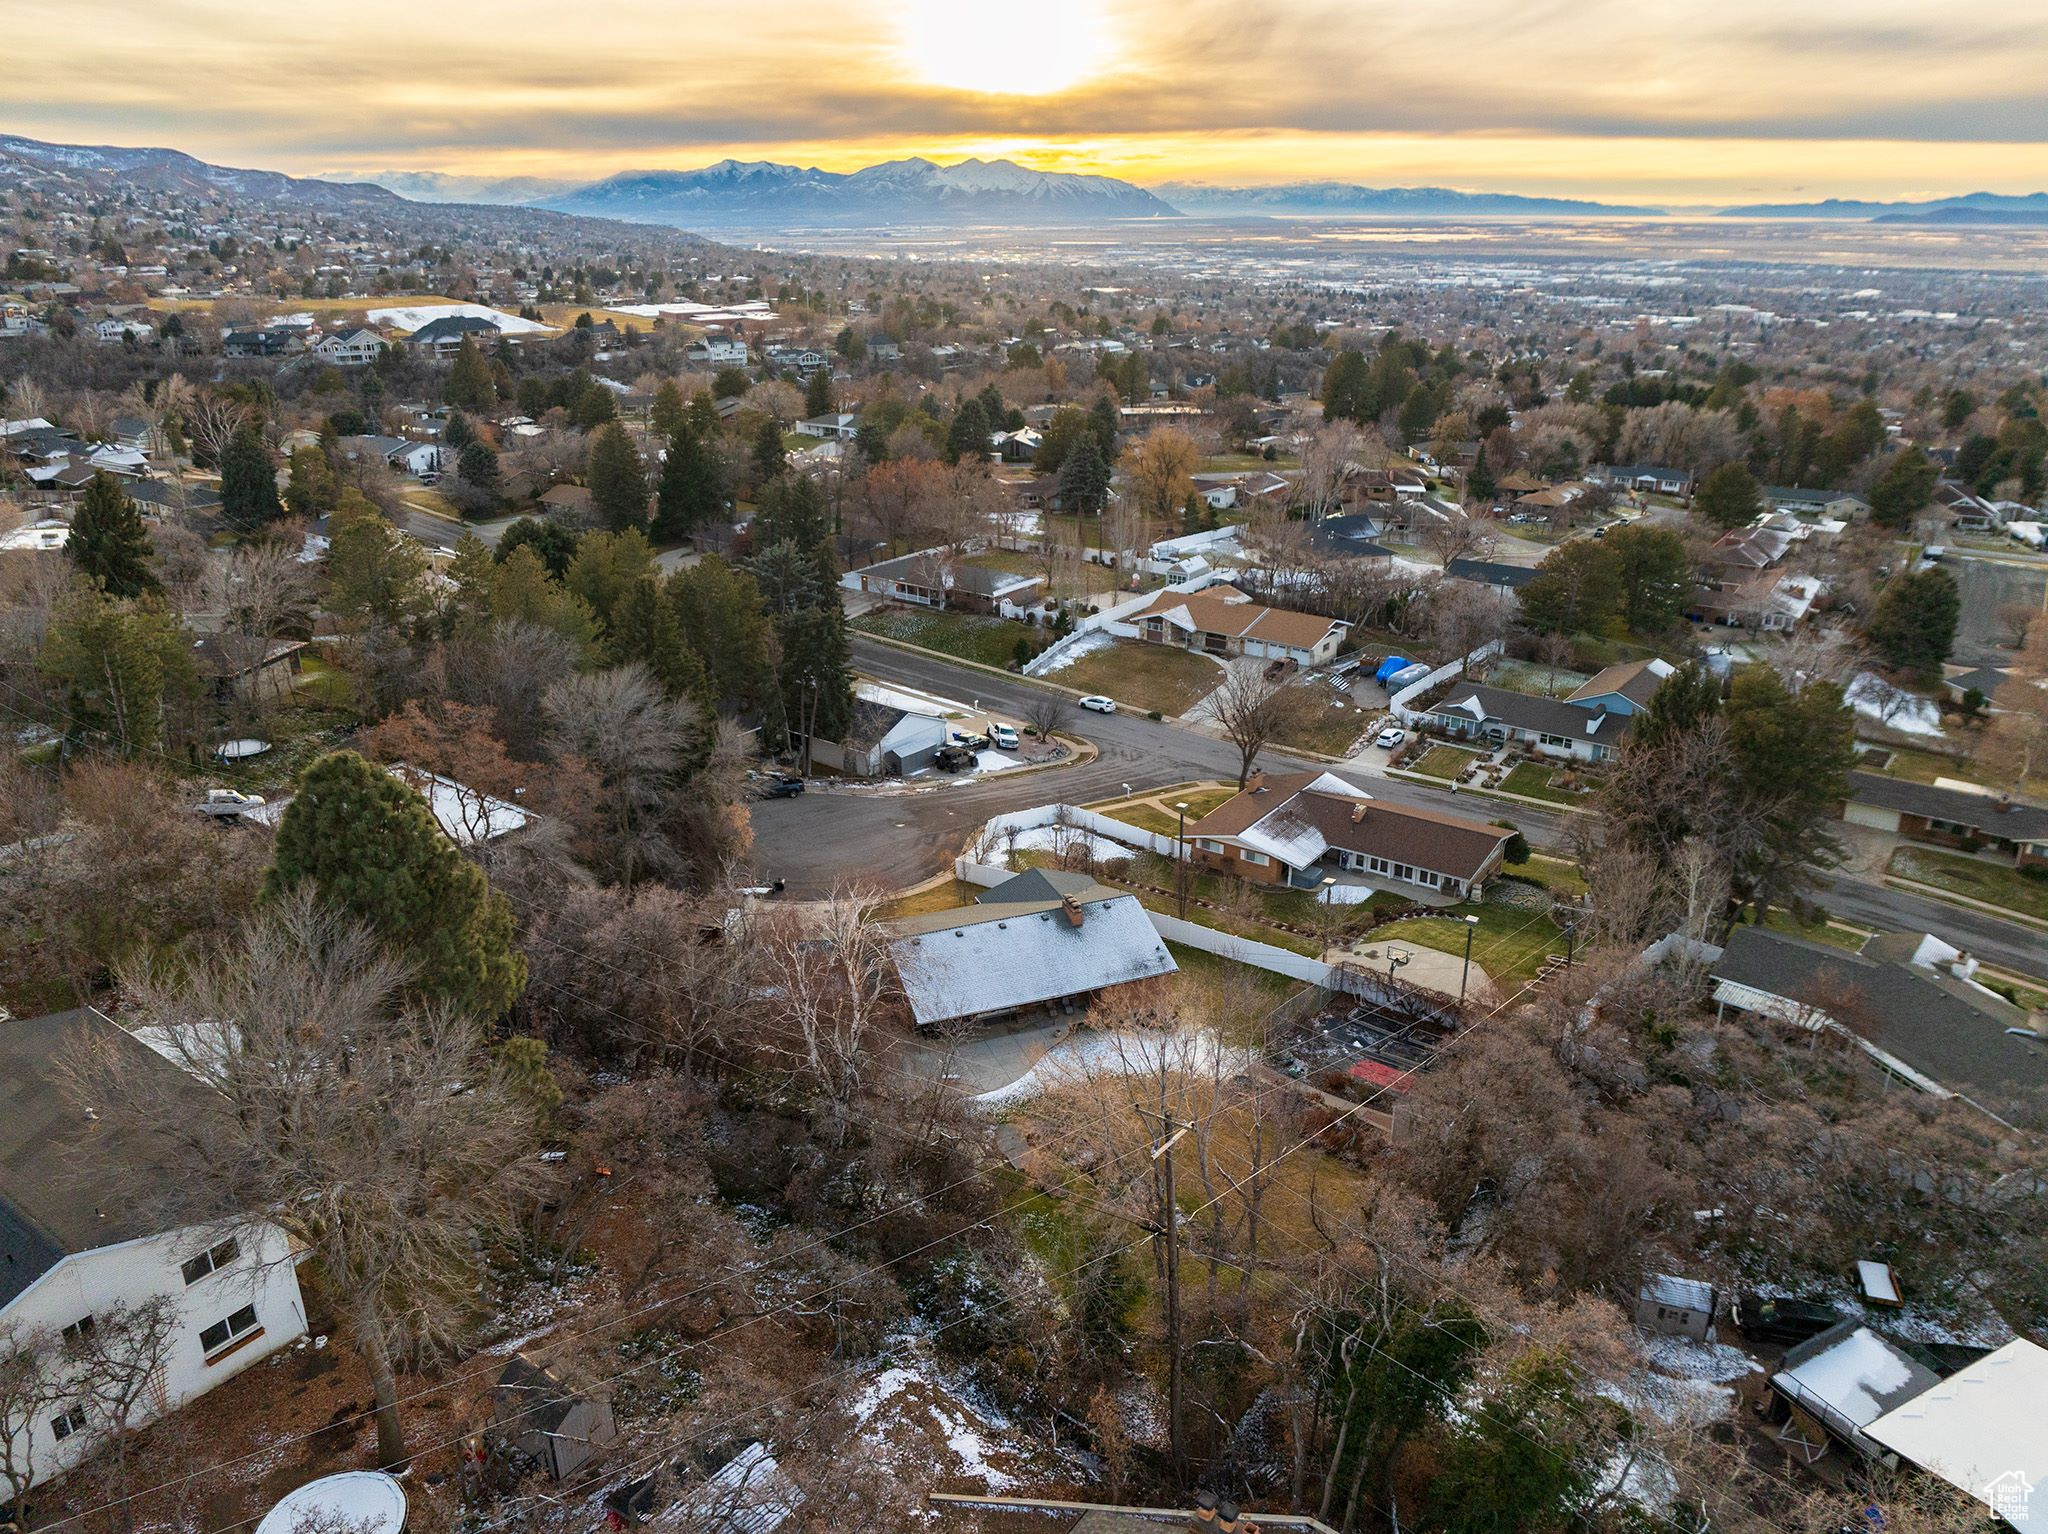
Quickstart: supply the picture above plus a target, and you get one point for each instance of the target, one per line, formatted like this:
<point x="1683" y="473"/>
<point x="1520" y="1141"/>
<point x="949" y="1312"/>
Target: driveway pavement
<point x="1986" y="586"/>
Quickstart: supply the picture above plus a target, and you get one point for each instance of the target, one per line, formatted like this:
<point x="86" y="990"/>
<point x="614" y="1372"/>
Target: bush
<point x="1153" y="713"/>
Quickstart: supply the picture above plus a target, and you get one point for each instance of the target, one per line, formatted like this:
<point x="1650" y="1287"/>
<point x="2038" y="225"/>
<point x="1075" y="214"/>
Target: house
<point x="1981" y="1430"/>
<point x="1745" y="588"/>
<point x="1020" y="446"/>
<point x="1911" y="1001"/>
<point x="1676" y="1307"/>
<point x="1501" y="580"/>
<point x="546" y="1422"/>
<point x="273" y="341"/>
<point x="74" y="1244"/>
<point x="1224" y="622"/>
<point x="1970" y="818"/>
<point x="247" y="666"/>
<point x="1292" y="828"/>
<point x="1836" y="505"/>
<point x="571" y="501"/>
<point x="44" y="537"/>
<point x="889" y="738"/>
<point x="1037" y="939"/>
<point x="803" y="359"/>
<point x="355" y="349"/>
<point x="1354" y="535"/>
<point x="442" y="337"/>
<point x="933" y="578"/>
<point x="1967" y="511"/>
<point x="1624" y="689"/>
<point x="717" y="351"/>
<point x="1549" y="726"/>
<point x="131" y="432"/>
<point x="836" y="424"/>
<point x="419" y="459"/>
<point x="1642" y="478"/>
<point x="1218" y="491"/>
<point x="1839" y="1383"/>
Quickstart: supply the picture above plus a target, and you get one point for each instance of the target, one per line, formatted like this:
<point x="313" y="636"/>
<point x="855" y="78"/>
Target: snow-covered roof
<point x="468" y="815"/>
<point x="749" y="1494"/>
<point x="1980" y="1428"/>
<point x="996" y="957"/>
<point x="1677" y="1293"/>
<point x="368" y="1501"/>
<point x="1852" y="1379"/>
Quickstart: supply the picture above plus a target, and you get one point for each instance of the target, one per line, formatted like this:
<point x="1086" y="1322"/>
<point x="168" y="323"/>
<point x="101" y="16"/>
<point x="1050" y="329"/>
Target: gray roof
<point x="1550" y="716"/>
<point x="1487" y="572"/>
<point x="1939" y="1025"/>
<point x="59" y="1184"/>
<point x="2000" y="819"/>
<point x="1018" y="947"/>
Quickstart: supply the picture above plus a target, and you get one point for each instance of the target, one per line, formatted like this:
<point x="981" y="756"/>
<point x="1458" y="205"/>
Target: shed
<point x="1839" y="1383"/>
<point x="1676" y="1307"/>
<point x="540" y="1415"/>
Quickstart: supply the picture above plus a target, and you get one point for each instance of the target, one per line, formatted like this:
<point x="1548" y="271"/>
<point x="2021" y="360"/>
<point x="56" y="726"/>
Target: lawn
<point x="1200" y="801"/>
<point x="1323" y="726"/>
<point x="1537" y="680"/>
<point x="949" y="895"/>
<point x="1446" y="762"/>
<point x="1849" y="938"/>
<point x="991" y="641"/>
<point x="1144" y="676"/>
<point x="1094" y="577"/>
<point x="1533" y="781"/>
<point x="1926" y="766"/>
<point x="1510" y="945"/>
<point x="1993" y="883"/>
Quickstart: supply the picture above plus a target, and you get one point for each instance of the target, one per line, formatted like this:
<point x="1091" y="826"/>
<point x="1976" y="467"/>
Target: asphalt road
<point x="900" y="839"/>
<point x="1986" y="586"/>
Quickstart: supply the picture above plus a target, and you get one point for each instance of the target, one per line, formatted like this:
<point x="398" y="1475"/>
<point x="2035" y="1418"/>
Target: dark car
<point x="953" y="759"/>
<point x="782" y="786"/>
<point x="1766" y="1318"/>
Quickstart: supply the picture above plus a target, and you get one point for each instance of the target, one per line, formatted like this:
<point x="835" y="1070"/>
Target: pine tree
<point x="248" y="481"/>
<point x="108" y="542"/>
<point x="478" y="466"/>
<point x="458" y="434"/>
<point x="770" y="458"/>
<point x="968" y="436"/>
<point x="1903" y="491"/>
<point x="689" y="495"/>
<point x="121" y="664"/>
<point x="618" y="484"/>
<point x="671" y="413"/>
<point x="371" y="849"/>
<point x="1480" y="482"/>
<point x="817" y="671"/>
<point x="1914" y="625"/>
<point x="1084" y="477"/>
<point x="470" y="385"/>
<point x="818" y="392"/>
<point x="1729" y="497"/>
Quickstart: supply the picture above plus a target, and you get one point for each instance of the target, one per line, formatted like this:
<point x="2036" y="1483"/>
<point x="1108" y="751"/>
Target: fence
<point x="1072" y="817"/>
<point x="1400" y="700"/>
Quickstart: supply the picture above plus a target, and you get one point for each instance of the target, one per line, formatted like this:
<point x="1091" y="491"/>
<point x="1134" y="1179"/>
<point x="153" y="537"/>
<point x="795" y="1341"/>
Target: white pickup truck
<point x="229" y="803"/>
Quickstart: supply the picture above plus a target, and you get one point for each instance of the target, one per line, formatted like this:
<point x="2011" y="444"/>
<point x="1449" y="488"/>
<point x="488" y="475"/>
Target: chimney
<point x="1204" y="1515"/>
<point x="1226" y="1518"/>
<point x="1256" y="783"/>
<point x="1358" y="812"/>
<point x="1072" y="909"/>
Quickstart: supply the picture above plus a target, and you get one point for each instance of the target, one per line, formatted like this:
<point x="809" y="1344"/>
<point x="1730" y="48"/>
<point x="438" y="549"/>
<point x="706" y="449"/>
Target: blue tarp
<point x="1391" y="665"/>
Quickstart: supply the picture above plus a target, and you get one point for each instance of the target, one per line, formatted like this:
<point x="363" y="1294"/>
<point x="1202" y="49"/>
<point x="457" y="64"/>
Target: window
<point x="221" y="1333"/>
<point x="68" y="1421"/>
<point x="1256" y="859"/>
<point x="212" y="1260"/>
<point x="1206" y="845"/>
<point x="78" y="1330"/>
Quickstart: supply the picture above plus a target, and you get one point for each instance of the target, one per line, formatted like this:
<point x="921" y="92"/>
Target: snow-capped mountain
<point x="759" y="194"/>
<point x="172" y="170"/>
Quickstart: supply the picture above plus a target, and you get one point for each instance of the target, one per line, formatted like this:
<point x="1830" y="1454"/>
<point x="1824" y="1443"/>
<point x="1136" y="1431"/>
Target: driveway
<point x="1986" y="586"/>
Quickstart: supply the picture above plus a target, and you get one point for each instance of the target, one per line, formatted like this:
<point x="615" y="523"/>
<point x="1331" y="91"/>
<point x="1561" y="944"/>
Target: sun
<point x="969" y="45"/>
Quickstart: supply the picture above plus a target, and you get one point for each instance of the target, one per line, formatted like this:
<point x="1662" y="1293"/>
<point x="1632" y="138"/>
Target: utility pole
<point x="1169" y="1228"/>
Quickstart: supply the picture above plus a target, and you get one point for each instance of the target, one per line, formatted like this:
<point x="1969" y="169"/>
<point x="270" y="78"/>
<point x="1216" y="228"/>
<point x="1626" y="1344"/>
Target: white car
<point x="1002" y="737"/>
<point x="1390" y="738"/>
<point x="227" y="803"/>
<point x="1099" y="704"/>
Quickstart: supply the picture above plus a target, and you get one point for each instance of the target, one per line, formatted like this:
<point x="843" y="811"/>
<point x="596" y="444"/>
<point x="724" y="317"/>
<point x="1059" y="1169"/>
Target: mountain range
<point x="1312" y="198"/>
<point x="173" y="171"/>
<point x="760" y="194"/>
<point x="1971" y="208"/>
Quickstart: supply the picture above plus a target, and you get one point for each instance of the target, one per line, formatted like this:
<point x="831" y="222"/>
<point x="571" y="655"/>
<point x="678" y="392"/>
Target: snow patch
<point x="1091" y="1056"/>
<point x="1073" y="650"/>
<point x="1893" y="707"/>
<point x="1064" y="841"/>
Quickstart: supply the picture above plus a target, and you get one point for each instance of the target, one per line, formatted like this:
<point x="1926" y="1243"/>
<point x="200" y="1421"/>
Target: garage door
<point x="1874" y="816"/>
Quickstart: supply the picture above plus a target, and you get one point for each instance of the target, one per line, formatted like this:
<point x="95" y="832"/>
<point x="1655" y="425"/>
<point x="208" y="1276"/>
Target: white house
<point x="357" y="349"/>
<point x="113" y="330"/>
<point x="718" y="351"/>
<point x="73" y="1248"/>
<point x="836" y="423"/>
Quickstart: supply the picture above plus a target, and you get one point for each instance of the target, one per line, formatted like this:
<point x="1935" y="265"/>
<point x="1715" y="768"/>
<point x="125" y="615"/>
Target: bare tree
<point x="31" y="1380"/>
<point x="1463" y="618"/>
<point x="212" y="421"/>
<point x="1457" y="536"/>
<point x="376" y="1136"/>
<point x="1251" y="711"/>
<point x="1328" y="460"/>
<point x="2014" y="619"/>
<point x="634" y="740"/>
<point x="1048" y="713"/>
<point x="829" y="980"/>
<point x="119" y="1363"/>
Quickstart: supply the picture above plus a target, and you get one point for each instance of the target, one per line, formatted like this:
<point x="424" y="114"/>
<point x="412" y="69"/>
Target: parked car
<point x="229" y="803"/>
<point x="1002" y="737"/>
<point x="783" y="785"/>
<point x="1099" y="704"/>
<point x="1281" y="667"/>
<point x="1764" y="1318"/>
<point x="953" y="759"/>
<point x="1390" y="738"/>
<point x="971" y="742"/>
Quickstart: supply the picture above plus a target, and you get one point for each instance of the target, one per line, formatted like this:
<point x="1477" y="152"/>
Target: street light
<point x="1471" y="926"/>
<point x="1180" y="864"/>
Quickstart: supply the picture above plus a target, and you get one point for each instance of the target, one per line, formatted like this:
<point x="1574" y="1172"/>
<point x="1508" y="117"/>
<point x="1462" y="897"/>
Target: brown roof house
<point x="1298" y="828"/>
<point x="1224" y="622"/>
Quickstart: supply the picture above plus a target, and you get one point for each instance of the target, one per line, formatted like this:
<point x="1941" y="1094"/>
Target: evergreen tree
<point x="592" y="406"/>
<point x="671" y="412"/>
<point x="1729" y="497"/>
<point x="108" y="542"/>
<point x="1480" y="482"/>
<point x="705" y="421"/>
<point x="721" y="616"/>
<point x="1904" y="490"/>
<point x="553" y="542"/>
<point x="1084" y="477"/>
<point x="1655" y="573"/>
<point x="1914" y="626"/>
<point x="792" y="510"/>
<point x="606" y="567"/>
<point x="816" y="675"/>
<point x="248" y="481"/>
<point x="1576" y="590"/>
<point x="1792" y="753"/>
<point x="457" y="434"/>
<point x="470" y="385"/>
<point x="618" y="484"/>
<point x="689" y="495"/>
<point x="818" y="392"/>
<point x="121" y="665"/>
<point x="1102" y="419"/>
<point x="478" y="466"/>
<point x="646" y="627"/>
<point x="968" y="436"/>
<point x="371" y="849"/>
<point x="310" y="489"/>
<point x="770" y="457"/>
<point x="522" y="589"/>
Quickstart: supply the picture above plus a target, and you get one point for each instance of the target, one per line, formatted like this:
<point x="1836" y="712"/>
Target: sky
<point x="1666" y="101"/>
